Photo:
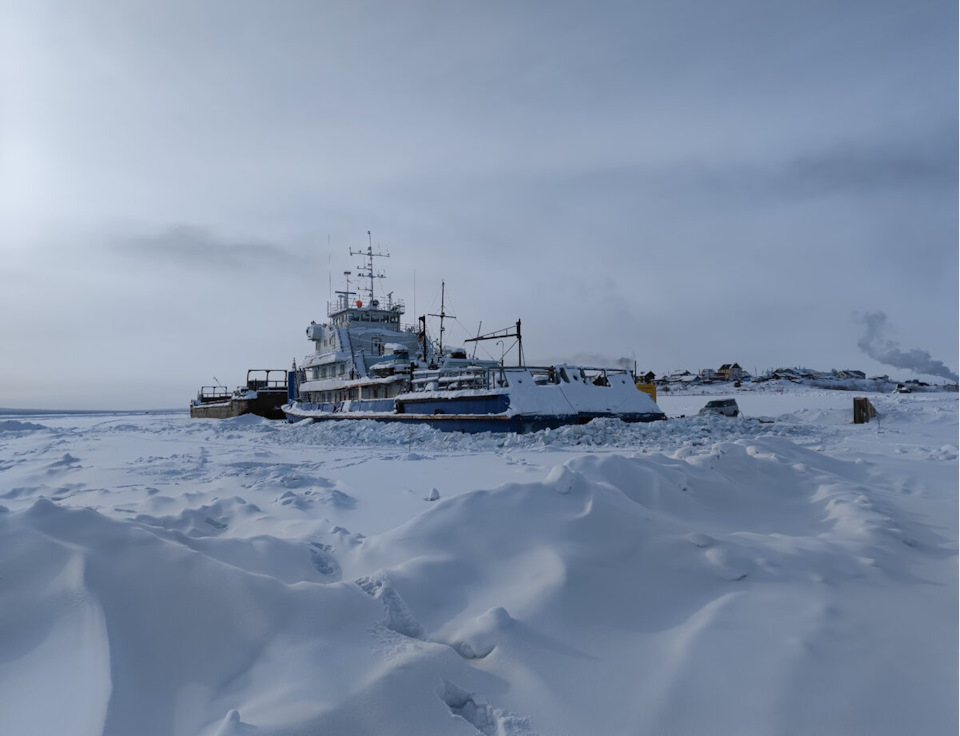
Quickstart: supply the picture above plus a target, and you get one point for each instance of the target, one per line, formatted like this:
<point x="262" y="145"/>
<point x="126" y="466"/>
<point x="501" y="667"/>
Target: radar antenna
<point x="367" y="271"/>
<point x="345" y="295"/>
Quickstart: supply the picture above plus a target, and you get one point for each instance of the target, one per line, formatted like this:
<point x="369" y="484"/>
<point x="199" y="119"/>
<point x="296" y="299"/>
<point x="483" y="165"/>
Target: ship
<point x="264" y="393"/>
<point x="367" y="364"/>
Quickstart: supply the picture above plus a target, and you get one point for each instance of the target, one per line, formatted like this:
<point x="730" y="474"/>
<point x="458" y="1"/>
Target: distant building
<point x="791" y="374"/>
<point x="730" y="372"/>
<point x="849" y="374"/>
<point x="677" y="377"/>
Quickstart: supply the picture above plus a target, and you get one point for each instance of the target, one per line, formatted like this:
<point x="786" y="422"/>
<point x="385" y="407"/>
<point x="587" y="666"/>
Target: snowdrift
<point x="702" y="575"/>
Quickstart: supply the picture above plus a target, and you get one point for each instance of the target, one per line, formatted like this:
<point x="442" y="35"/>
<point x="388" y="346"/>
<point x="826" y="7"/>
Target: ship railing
<point x="210" y="394"/>
<point x="486" y="377"/>
<point x="561" y="373"/>
<point x="465" y="377"/>
<point x="335" y="307"/>
<point x="259" y="379"/>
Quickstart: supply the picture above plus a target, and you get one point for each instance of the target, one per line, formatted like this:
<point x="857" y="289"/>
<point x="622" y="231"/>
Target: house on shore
<point x="730" y="372"/>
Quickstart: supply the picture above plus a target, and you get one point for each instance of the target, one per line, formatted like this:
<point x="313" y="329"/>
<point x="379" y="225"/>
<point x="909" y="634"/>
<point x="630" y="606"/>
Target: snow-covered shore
<point x="161" y="575"/>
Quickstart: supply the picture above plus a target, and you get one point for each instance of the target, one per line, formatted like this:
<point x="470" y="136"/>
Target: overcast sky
<point x="682" y="183"/>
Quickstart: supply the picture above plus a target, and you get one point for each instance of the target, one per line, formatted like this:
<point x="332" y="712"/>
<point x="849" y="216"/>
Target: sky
<point x="680" y="184"/>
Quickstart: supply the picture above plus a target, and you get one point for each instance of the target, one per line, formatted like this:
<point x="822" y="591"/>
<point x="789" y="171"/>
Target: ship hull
<point x="266" y="405"/>
<point x="448" y="421"/>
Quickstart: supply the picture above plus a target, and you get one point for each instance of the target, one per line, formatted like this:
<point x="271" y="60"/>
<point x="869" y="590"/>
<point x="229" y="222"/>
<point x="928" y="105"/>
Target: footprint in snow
<point x="399" y="617"/>
<point x="322" y="559"/>
<point x="482" y="716"/>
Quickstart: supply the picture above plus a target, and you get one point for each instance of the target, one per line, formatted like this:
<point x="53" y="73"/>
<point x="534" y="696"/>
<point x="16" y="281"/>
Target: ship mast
<point x="443" y="315"/>
<point x="368" y="271"/>
<point x="345" y="295"/>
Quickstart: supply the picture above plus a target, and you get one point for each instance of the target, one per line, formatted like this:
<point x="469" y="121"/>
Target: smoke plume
<point x="880" y="347"/>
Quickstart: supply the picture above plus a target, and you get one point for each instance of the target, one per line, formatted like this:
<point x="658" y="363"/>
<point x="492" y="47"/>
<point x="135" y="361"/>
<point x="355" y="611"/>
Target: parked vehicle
<point x="726" y="407"/>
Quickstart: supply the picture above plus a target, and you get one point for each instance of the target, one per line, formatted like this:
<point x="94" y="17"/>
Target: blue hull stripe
<point x="472" y="423"/>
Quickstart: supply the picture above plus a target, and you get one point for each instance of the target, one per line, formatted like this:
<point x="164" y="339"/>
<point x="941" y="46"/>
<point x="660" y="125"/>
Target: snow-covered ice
<point x="786" y="572"/>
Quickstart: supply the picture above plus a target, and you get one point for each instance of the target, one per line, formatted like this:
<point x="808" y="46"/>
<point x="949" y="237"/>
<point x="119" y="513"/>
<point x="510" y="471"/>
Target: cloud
<point x="199" y="248"/>
<point x="904" y="166"/>
<point x="892" y="165"/>
<point x="881" y="348"/>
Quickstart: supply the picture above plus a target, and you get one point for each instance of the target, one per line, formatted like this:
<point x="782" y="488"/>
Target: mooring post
<point x="863" y="410"/>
